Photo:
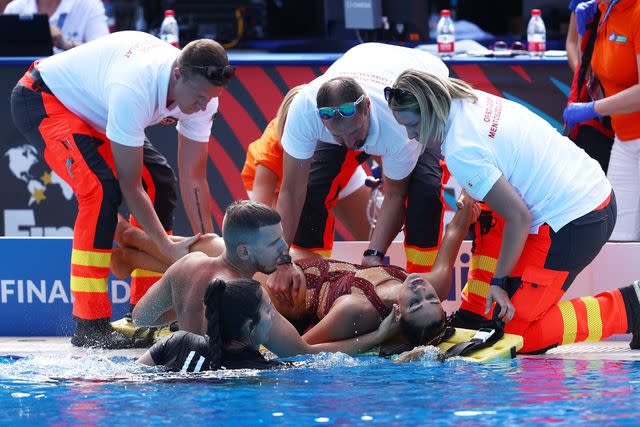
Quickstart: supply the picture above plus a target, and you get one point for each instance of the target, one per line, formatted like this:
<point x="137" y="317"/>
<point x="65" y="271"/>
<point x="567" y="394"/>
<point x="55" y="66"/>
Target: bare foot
<point x="119" y="265"/>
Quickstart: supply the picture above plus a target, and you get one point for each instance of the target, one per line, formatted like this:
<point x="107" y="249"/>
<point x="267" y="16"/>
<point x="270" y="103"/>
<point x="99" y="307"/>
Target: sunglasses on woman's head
<point x="395" y="93"/>
<point x="211" y="72"/>
<point x="346" y="110"/>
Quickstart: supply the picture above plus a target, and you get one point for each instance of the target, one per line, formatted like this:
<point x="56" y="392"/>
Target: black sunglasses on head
<point x="399" y="95"/>
<point x="212" y="72"/>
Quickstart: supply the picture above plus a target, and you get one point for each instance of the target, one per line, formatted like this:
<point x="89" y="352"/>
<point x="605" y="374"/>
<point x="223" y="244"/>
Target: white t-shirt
<point x="78" y="20"/>
<point x="119" y="85"/>
<point x="373" y="66"/>
<point x="557" y="180"/>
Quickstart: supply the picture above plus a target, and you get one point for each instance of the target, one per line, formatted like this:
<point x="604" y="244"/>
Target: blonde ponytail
<point x="283" y="110"/>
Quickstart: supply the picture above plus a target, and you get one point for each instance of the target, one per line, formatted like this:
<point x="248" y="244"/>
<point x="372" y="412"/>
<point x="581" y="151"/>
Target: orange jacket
<point x="614" y="60"/>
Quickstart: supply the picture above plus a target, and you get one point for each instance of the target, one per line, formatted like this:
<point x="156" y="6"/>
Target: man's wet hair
<point x="243" y="218"/>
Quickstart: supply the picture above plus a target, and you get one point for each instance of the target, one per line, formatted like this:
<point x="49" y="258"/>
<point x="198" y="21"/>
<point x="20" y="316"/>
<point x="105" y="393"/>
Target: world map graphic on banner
<point x="37" y="184"/>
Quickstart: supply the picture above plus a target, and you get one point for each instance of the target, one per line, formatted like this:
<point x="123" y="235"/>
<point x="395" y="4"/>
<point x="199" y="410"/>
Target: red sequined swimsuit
<point x="331" y="279"/>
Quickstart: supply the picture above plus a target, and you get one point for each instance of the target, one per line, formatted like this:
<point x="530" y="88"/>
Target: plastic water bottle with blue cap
<point x="169" y="30"/>
<point x="536" y="35"/>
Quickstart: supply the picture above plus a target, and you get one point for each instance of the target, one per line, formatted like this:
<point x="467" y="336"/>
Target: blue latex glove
<point x="584" y="14"/>
<point x="578" y="112"/>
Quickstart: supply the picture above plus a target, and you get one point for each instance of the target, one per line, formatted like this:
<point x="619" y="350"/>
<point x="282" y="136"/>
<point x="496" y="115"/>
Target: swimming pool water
<point x="329" y="389"/>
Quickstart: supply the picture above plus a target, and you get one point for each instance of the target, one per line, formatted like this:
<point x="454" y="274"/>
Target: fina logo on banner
<point x="38" y="202"/>
<point x="42" y="291"/>
<point x="34" y="288"/>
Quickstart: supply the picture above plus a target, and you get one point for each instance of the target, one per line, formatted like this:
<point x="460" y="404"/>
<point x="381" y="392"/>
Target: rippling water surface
<point x="324" y="389"/>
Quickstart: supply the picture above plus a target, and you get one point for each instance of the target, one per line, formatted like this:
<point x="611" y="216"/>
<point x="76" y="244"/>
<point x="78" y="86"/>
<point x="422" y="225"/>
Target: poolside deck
<point x="22" y="346"/>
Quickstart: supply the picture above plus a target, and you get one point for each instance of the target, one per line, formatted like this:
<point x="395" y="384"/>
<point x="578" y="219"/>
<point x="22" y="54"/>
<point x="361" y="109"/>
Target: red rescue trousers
<point x="331" y="168"/>
<point x="82" y="157"/>
<point x="549" y="263"/>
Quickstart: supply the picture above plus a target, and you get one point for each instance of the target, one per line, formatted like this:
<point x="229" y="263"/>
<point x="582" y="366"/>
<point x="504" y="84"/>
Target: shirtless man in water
<point x="253" y="244"/>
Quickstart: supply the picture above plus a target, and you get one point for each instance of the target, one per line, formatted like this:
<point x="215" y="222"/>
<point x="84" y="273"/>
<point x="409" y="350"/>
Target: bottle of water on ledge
<point x="536" y="35"/>
<point x="169" y="31"/>
<point x="446" y="35"/>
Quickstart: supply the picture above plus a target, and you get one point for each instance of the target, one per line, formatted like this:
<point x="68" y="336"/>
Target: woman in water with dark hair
<point x="235" y="318"/>
<point x="240" y="318"/>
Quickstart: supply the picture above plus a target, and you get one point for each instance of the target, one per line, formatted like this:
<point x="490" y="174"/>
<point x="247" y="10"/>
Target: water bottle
<point x="446" y="35"/>
<point x="169" y="31"/>
<point x="536" y="35"/>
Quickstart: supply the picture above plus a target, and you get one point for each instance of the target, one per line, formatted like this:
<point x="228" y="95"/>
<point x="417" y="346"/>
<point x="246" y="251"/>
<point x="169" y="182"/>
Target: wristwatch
<point x="283" y="259"/>
<point x="500" y="282"/>
<point x="373" y="252"/>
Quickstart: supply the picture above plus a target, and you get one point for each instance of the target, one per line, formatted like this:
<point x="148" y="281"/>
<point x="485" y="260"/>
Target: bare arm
<point x="265" y="186"/>
<point x="285" y="281"/>
<point x="391" y="217"/>
<point x="504" y="200"/>
<point x="285" y="341"/>
<point x="152" y="308"/>
<point x="440" y="275"/>
<point x="128" y="163"/>
<point x="346" y="319"/>
<point x="295" y="175"/>
<point x="627" y="101"/>
<point x="194" y="188"/>
<point x="157" y="303"/>
<point x="572" y="44"/>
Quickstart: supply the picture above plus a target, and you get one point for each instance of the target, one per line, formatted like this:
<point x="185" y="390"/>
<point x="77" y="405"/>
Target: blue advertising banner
<point x="35" y="297"/>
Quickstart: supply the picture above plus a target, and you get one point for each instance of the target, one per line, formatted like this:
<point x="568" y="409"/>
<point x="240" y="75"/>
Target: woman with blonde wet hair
<point x="262" y="175"/>
<point x="549" y="206"/>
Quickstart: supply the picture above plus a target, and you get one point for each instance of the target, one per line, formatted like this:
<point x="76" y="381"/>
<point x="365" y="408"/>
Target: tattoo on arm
<point x="196" y="191"/>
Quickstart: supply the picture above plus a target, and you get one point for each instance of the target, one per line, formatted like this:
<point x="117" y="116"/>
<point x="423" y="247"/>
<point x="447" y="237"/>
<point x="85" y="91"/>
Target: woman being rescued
<point x="339" y="300"/>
